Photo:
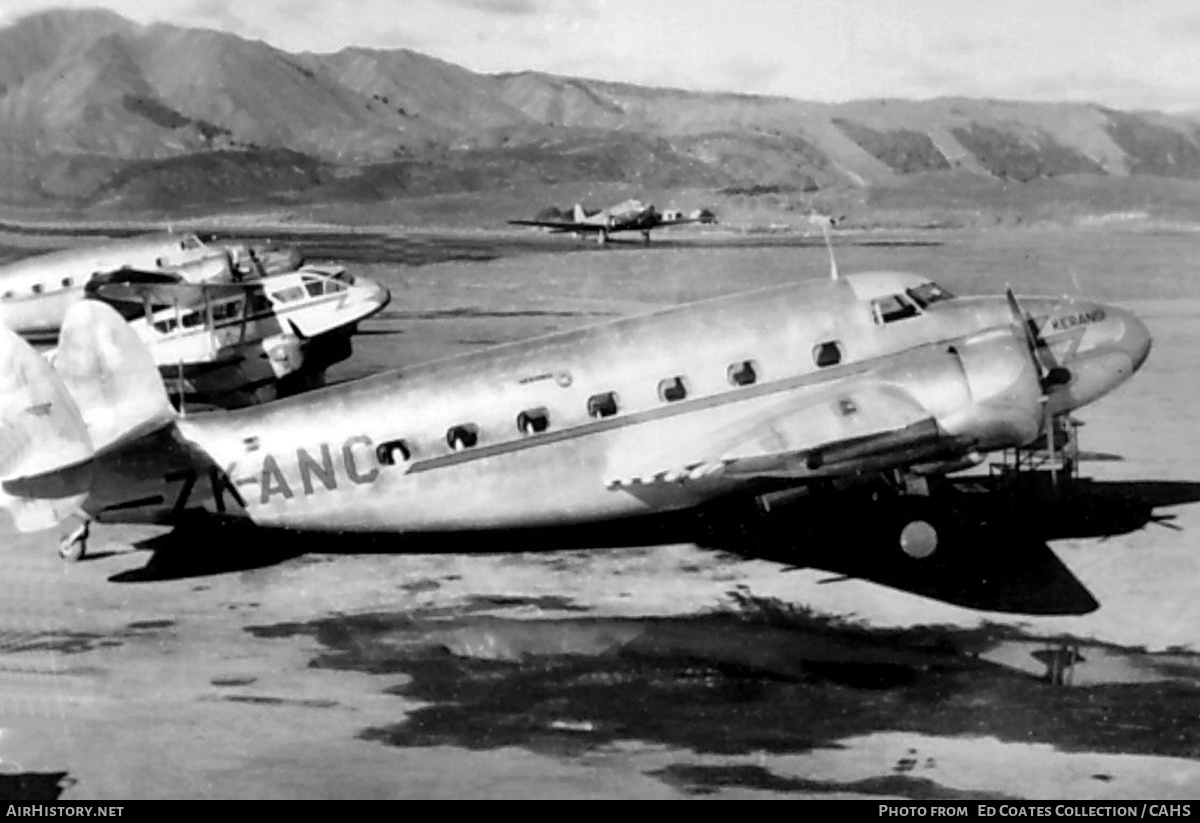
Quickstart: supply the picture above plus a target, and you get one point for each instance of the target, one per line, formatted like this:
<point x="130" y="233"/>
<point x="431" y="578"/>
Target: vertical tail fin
<point x="102" y="390"/>
<point x="41" y="432"/>
<point x="579" y="214"/>
<point x="110" y="374"/>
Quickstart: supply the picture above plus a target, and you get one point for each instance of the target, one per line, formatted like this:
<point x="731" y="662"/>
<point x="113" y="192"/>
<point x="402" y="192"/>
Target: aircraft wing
<point x="560" y="225"/>
<point x="163" y="293"/>
<point x="849" y="427"/>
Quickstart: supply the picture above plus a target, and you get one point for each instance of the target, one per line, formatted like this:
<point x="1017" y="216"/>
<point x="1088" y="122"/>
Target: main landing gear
<point x="912" y="519"/>
<point x="73" y="546"/>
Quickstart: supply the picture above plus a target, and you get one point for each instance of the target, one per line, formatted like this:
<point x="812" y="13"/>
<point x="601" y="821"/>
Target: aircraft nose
<point x="1136" y="340"/>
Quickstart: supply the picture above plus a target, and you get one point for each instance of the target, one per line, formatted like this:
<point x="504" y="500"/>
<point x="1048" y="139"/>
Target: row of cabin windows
<point x="605" y="404"/>
<point x="38" y="288"/>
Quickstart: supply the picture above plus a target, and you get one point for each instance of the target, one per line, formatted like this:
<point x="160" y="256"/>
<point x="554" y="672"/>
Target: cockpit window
<point x="316" y="286"/>
<point x="928" y="293"/>
<point x="892" y="308"/>
<point x="288" y="295"/>
<point x="190" y="242"/>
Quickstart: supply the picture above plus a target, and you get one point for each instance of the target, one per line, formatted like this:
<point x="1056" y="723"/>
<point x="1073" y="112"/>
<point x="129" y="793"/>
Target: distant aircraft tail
<point x="579" y="214"/>
<point x="102" y="389"/>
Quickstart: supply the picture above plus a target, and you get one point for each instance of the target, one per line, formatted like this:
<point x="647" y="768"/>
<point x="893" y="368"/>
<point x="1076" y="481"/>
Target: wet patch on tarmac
<point x="733" y="684"/>
<point x="66" y="642"/>
<point x="258" y="700"/>
<point x="695" y="779"/>
<point x="150" y="624"/>
<point x="227" y="682"/>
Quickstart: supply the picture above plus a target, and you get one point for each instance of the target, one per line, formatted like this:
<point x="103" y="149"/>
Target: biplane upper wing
<point x="166" y="292"/>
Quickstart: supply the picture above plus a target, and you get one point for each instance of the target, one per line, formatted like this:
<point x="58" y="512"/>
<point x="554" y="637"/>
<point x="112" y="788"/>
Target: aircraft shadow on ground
<point x="992" y="556"/>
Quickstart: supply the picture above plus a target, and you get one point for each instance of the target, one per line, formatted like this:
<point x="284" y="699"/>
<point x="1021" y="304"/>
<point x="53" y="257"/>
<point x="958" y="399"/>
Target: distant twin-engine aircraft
<point x="881" y="378"/>
<point x="632" y="215"/>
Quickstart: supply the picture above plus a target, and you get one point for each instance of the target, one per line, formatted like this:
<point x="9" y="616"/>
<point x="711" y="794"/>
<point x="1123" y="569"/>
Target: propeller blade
<point x="1050" y="374"/>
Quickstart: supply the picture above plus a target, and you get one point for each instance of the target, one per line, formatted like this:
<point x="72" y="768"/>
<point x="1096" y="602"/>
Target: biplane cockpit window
<point x="288" y="295"/>
<point x="892" y="308"/>
<point x="928" y="293"/>
<point x="316" y="286"/>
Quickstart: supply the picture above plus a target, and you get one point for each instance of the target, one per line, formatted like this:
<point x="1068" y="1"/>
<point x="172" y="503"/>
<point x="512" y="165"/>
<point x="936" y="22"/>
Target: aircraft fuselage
<point x="593" y="424"/>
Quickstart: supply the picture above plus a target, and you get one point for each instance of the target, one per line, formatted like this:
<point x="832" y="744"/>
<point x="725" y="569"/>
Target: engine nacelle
<point x="983" y="390"/>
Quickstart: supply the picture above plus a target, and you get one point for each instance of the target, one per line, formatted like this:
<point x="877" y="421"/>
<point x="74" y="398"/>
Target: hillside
<point x="100" y="112"/>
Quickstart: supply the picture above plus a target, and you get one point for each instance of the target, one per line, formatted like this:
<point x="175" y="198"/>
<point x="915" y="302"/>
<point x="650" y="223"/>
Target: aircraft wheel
<point x="73" y="547"/>
<point x="921" y="527"/>
<point x="918" y="539"/>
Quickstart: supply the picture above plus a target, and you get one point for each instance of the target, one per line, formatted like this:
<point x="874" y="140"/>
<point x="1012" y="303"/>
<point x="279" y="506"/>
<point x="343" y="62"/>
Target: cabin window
<point x="166" y="326"/>
<point x="37" y="288"/>
<point x="8" y="295"/>
<point x="314" y="287"/>
<point x="67" y="282"/>
<point x="259" y="304"/>
<point x="928" y="293"/>
<point x="533" y="421"/>
<point x="288" y="295"/>
<point x="462" y="436"/>
<point x="743" y="374"/>
<point x="192" y="319"/>
<point x="828" y="353"/>
<point x="224" y="311"/>
<point x="671" y="389"/>
<point x="393" y="452"/>
<point x="602" y="405"/>
<point x="892" y="308"/>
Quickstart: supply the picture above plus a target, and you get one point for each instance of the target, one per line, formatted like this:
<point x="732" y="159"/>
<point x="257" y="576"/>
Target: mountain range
<point x="99" y="111"/>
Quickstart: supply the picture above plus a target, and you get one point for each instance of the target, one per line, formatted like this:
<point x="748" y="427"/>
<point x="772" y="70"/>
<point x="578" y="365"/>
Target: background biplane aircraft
<point x="35" y="292"/>
<point x="882" y="378"/>
<point x="632" y="215"/>
<point x="233" y="344"/>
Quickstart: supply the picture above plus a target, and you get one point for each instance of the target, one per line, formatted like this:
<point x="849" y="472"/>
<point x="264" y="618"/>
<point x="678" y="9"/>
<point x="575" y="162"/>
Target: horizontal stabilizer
<point x="110" y="374"/>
